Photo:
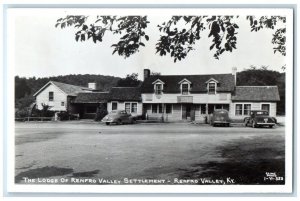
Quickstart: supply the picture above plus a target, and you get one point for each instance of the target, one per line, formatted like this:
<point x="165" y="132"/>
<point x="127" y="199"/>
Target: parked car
<point x="220" y="117"/>
<point x="260" y="118"/>
<point x="119" y="117"/>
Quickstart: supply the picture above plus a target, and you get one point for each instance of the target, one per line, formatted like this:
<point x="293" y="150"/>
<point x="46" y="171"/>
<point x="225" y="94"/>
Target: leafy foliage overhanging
<point x="176" y="41"/>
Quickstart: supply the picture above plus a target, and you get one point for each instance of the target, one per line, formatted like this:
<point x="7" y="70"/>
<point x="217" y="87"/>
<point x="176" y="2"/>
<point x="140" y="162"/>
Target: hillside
<point x="264" y="77"/>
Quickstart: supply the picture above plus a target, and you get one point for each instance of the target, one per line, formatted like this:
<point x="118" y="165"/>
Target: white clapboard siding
<point x="121" y="106"/>
<point x="254" y="106"/>
<point x="197" y="98"/>
<point x="59" y="97"/>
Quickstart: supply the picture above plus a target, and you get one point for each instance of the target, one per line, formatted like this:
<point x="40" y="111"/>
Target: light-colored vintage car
<point x="220" y="117"/>
<point x="119" y="117"/>
<point x="260" y="118"/>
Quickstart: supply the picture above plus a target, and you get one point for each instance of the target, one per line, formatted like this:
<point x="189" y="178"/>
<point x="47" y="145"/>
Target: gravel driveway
<point x="86" y="149"/>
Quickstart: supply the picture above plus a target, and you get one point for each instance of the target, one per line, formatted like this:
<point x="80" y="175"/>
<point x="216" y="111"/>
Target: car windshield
<point x="221" y="113"/>
<point x="261" y="113"/>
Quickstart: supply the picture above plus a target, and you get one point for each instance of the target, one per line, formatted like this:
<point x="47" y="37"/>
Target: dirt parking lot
<point x="170" y="151"/>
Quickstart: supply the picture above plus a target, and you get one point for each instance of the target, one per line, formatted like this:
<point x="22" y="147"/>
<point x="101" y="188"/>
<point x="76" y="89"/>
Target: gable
<point x="68" y="89"/>
<point x="158" y="81"/>
<point x="185" y="81"/>
<point x="212" y="80"/>
<point x="46" y="86"/>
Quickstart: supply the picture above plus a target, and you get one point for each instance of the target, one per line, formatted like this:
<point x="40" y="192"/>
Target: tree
<point x="263" y="77"/>
<point x="175" y="41"/>
<point x="131" y="80"/>
<point x="21" y="88"/>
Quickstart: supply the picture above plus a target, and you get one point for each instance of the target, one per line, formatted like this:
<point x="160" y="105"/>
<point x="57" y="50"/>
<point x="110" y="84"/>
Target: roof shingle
<point x="125" y="94"/>
<point x="92" y="97"/>
<point x="70" y="89"/>
<point x="256" y="93"/>
<point x="226" y="83"/>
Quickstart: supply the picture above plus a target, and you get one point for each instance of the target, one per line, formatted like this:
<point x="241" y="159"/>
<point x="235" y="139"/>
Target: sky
<point x="41" y="50"/>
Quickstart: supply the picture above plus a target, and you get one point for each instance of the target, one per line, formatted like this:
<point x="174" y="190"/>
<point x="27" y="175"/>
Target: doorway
<point x="188" y="112"/>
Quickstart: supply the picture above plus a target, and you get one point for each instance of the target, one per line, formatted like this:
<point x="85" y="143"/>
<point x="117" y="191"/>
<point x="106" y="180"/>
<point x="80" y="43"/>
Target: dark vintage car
<point x="220" y="117"/>
<point x="260" y="118"/>
<point x="119" y="117"/>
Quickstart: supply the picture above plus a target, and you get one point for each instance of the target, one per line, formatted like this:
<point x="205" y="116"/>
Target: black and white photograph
<point x="150" y="100"/>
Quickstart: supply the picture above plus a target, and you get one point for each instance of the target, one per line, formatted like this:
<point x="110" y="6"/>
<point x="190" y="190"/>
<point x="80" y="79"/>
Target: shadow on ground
<point x="245" y="164"/>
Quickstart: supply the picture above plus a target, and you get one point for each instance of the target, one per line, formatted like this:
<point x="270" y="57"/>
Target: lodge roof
<point x="68" y="89"/>
<point x="198" y="82"/>
<point x="256" y="93"/>
<point x="92" y="97"/>
<point x="125" y="94"/>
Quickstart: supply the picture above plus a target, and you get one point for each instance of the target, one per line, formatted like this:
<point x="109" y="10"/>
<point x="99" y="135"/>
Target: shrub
<point x="22" y="113"/>
<point x="101" y="112"/>
<point x="63" y="116"/>
<point x="44" y="112"/>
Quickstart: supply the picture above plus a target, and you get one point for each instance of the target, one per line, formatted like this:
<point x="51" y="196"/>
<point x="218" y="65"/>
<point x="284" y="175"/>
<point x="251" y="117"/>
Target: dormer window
<point x="158" y="89"/>
<point x="185" y="89"/>
<point x="212" y="88"/>
<point x="185" y="86"/>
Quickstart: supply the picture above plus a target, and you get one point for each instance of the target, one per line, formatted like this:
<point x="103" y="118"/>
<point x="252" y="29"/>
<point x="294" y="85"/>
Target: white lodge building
<point x="193" y="97"/>
<point x="164" y="97"/>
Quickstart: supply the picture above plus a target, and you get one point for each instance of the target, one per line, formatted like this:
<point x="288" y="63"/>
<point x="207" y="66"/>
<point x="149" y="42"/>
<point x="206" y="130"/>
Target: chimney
<point x="92" y="85"/>
<point x="234" y="70"/>
<point x="146" y="73"/>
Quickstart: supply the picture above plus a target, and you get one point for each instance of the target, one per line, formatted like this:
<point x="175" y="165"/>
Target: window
<point x="203" y="108"/>
<point x="157" y="108"/>
<point x="62" y="103"/>
<point x="51" y="95"/>
<point x="266" y="107"/>
<point x="211" y="88"/>
<point x="169" y="109"/>
<point x="158" y="89"/>
<point x="239" y="109"/>
<point x="114" y="105"/>
<point x="242" y="109"/>
<point x="247" y="108"/>
<point x="185" y="89"/>
<point x="160" y="108"/>
<point x="154" y="108"/>
<point x="127" y="107"/>
<point x="133" y="107"/>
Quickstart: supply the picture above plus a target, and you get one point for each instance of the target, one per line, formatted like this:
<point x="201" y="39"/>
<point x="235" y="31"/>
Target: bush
<point x="45" y="112"/>
<point x="63" y="116"/>
<point x="22" y="113"/>
<point x="101" y="112"/>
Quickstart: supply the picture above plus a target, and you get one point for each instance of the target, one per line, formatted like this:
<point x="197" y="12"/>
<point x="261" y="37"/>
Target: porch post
<point x="163" y="112"/>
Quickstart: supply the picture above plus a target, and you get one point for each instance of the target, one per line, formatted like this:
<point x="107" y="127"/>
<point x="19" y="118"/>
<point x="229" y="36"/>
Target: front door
<point x="188" y="112"/>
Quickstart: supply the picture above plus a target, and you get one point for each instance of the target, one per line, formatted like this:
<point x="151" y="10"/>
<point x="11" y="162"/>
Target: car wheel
<point x="133" y="121"/>
<point x="107" y="123"/>
<point x="253" y="124"/>
<point x="119" y="122"/>
<point x="228" y="125"/>
<point x="246" y="123"/>
<point x="271" y="126"/>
